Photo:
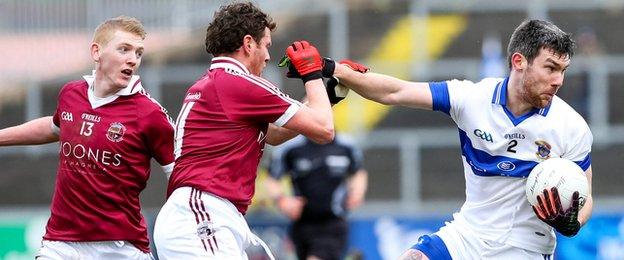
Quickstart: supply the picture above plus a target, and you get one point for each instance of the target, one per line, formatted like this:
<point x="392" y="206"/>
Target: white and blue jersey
<point x="499" y="150"/>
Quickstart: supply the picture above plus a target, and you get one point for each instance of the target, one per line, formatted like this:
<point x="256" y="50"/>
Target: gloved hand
<point x="355" y="66"/>
<point x="327" y="71"/>
<point x="329" y="66"/>
<point x="306" y="60"/>
<point x="335" y="91"/>
<point x="550" y="211"/>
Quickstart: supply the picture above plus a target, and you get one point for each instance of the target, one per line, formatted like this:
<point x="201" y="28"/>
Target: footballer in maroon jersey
<point x="225" y="120"/>
<point x="108" y="130"/>
<point x="105" y="151"/>
<point x="222" y="129"/>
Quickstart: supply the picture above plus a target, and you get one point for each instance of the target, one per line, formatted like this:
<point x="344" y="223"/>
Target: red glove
<point x="355" y="66"/>
<point x="306" y="60"/>
<point x="327" y="71"/>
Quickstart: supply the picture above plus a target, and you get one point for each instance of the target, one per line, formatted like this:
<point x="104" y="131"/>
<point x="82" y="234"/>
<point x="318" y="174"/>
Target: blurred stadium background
<point x="416" y="178"/>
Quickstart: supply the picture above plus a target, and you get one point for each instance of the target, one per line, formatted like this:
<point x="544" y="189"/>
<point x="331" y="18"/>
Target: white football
<point x="564" y="174"/>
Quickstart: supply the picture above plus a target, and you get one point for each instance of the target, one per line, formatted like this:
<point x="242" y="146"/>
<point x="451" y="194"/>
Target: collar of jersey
<point x="134" y="86"/>
<point x="228" y="63"/>
<point x="500" y="97"/>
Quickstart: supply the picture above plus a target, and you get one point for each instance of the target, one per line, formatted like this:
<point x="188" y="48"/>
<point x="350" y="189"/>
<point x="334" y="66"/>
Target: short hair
<point x="533" y="35"/>
<point x="231" y="23"/>
<point x="105" y="31"/>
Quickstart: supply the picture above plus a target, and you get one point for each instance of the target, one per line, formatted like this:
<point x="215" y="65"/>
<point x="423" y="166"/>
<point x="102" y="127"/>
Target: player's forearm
<point x="37" y="131"/>
<point x="358" y="184"/>
<point x="586" y="211"/>
<point x="377" y="87"/>
<point x="318" y="101"/>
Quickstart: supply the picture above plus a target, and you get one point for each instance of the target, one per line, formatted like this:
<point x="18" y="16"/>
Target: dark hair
<point x="533" y="35"/>
<point x="231" y="23"/>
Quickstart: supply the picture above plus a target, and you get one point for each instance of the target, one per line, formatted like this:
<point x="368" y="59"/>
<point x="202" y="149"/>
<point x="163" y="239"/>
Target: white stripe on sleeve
<point x="288" y="114"/>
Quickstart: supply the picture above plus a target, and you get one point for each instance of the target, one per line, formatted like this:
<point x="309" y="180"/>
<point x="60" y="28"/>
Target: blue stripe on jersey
<point x="433" y="247"/>
<point x="440" y="96"/>
<point x="484" y="164"/>
<point x="544" y="111"/>
<point x="585" y="163"/>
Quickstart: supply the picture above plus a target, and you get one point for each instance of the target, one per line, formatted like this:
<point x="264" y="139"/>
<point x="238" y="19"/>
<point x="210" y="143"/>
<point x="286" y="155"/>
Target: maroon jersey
<point x="105" y="151"/>
<point x="221" y="129"/>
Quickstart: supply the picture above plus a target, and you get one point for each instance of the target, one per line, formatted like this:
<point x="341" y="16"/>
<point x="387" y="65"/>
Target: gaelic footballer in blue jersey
<point x="506" y="126"/>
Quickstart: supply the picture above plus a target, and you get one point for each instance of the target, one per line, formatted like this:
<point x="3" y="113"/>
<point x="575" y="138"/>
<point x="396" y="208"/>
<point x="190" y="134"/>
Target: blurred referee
<point x="328" y="181"/>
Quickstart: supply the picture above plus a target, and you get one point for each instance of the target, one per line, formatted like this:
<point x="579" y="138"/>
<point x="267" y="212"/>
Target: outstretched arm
<point x="37" y="131"/>
<point x="385" y="89"/>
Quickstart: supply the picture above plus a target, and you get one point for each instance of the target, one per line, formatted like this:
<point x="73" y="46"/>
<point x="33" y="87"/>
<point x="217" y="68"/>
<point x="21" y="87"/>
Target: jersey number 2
<point x="511" y="146"/>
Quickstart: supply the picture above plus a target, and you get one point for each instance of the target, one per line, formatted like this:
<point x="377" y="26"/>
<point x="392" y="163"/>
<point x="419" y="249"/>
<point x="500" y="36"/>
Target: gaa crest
<point x="543" y="150"/>
<point x="205" y="229"/>
<point x="115" y="132"/>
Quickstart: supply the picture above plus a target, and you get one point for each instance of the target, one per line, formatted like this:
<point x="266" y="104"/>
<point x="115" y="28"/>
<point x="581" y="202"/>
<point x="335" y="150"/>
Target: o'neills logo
<point x="194" y="95"/>
<point x="115" y="132"/>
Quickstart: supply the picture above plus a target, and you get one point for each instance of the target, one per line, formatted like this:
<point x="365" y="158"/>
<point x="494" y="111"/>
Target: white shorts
<point x="198" y="225"/>
<point x="65" y="250"/>
<point x="462" y="243"/>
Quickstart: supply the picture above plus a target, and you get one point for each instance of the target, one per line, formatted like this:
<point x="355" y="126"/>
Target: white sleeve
<point x="448" y="96"/>
<point x="168" y="169"/>
<point x="579" y="149"/>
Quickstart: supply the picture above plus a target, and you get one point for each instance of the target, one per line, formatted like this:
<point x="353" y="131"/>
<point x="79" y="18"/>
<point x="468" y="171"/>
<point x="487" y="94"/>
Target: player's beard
<point x="530" y="91"/>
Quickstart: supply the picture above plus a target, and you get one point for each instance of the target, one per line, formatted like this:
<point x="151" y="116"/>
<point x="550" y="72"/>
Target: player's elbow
<point x="325" y="135"/>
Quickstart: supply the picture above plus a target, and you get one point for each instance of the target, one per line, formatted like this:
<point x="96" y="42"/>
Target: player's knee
<point x="413" y="254"/>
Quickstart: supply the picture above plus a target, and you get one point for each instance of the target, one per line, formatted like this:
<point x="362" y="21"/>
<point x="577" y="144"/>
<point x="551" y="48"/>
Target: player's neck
<point x="103" y="88"/>
<point x="516" y="105"/>
<point x="240" y="57"/>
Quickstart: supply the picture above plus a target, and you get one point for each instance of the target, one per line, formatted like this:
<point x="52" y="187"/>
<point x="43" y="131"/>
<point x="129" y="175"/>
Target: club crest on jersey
<point x="543" y="150"/>
<point x="205" y="229"/>
<point x="115" y="132"/>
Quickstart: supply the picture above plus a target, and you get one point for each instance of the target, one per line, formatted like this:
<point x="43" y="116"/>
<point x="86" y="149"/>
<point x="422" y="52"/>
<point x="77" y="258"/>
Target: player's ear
<point x="247" y="42"/>
<point x="518" y="61"/>
<point x="95" y="52"/>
